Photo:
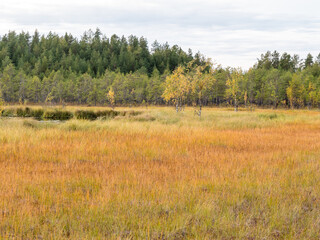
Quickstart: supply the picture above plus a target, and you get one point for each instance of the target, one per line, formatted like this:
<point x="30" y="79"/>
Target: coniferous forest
<point x="64" y="69"/>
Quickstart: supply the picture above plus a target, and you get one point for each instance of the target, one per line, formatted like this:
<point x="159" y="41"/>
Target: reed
<point x="244" y="175"/>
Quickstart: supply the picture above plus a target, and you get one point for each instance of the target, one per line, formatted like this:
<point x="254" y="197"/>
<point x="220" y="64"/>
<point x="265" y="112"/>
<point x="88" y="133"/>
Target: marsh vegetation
<point x="161" y="175"/>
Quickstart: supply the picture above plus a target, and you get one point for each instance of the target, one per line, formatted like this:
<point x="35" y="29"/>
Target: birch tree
<point x="233" y="86"/>
<point x="111" y="97"/>
<point x="177" y="86"/>
<point x="296" y="92"/>
<point x="201" y="80"/>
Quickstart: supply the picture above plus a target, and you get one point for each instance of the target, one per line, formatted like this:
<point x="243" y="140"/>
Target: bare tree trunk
<point x="180" y="105"/>
<point x="235" y="104"/>
<point x="200" y="107"/>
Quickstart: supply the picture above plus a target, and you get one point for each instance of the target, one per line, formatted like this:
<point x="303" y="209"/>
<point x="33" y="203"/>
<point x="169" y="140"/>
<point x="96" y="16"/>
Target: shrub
<point x="65" y="115"/>
<point x="27" y="112"/>
<point x="37" y="114"/>
<point x="87" y="115"/>
<point x="20" y="112"/>
<point x="9" y="112"/>
<point x="57" y="115"/>
<point x="108" y="114"/>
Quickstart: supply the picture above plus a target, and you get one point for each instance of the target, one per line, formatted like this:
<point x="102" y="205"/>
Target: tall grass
<point x="245" y="175"/>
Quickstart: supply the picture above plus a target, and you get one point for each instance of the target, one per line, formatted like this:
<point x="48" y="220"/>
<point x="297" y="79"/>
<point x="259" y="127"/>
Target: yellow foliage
<point x="232" y="83"/>
<point x="111" y="97"/>
<point x="177" y="86"/>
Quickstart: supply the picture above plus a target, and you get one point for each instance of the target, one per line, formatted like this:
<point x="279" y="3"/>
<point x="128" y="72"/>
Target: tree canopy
<point x="98" y="70"/>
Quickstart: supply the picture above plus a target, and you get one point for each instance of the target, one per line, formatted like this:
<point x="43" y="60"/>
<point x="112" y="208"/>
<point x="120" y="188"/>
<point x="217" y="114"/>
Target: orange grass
<point x="173" y="178"/>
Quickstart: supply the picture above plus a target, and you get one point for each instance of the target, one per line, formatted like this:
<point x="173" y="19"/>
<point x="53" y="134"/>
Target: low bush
<point x="108" y="114"/>
<point x="87" y="115"/>
<point x="65" y="115"/>
<point x="37" y="114"/>
<point x="26" y="112"/>
<point x="91" y="115"/>
<point x="57" y="115"/>
<point x="8" y="112"/>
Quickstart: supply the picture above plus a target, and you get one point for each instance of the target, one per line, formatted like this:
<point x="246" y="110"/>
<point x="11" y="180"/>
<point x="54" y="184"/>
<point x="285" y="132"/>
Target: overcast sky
<point x="231" y="32"/>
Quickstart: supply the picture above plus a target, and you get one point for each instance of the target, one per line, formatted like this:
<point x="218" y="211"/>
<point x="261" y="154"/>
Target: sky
<point x="230" y="32"/>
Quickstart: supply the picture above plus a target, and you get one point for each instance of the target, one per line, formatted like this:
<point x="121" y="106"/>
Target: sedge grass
<point x="244" y="175"/>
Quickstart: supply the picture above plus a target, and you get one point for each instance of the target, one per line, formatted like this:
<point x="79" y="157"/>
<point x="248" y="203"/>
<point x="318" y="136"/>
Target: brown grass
<point x="230" y="175"/>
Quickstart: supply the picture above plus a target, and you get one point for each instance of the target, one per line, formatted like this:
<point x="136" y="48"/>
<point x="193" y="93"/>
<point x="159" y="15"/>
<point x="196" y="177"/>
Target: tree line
<point x="97" y="70"/>
<point x="94" y="53"/>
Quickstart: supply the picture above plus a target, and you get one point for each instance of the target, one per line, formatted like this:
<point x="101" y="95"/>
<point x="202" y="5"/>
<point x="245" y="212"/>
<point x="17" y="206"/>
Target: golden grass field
<point x="162" y="175"/>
